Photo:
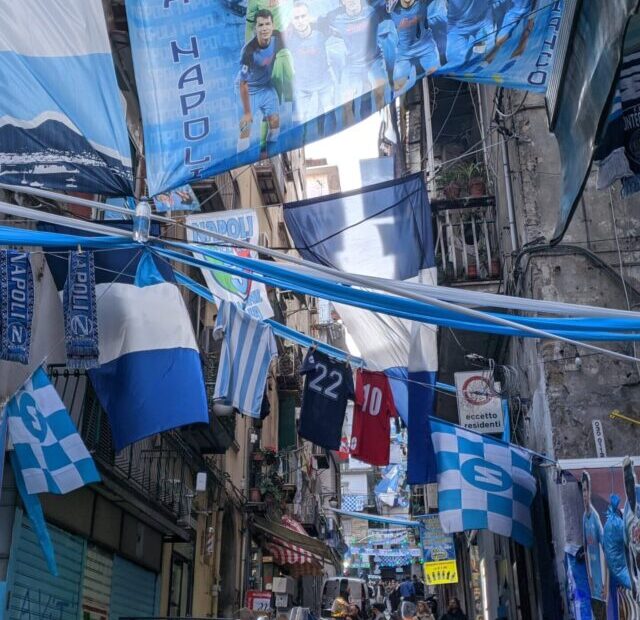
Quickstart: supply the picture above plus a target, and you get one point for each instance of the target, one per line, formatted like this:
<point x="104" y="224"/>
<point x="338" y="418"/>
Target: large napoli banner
<point x="224" y="83"/>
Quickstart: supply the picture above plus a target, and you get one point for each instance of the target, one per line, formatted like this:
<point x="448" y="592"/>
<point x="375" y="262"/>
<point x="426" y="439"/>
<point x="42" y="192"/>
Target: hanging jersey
<point x="247" y="350"/>
<point x="371" y="435"/>
<point x="257" y="62"/>
<point x="327" y="387"/>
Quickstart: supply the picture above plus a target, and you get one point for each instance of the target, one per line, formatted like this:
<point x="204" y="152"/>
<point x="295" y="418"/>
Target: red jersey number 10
<point x="372" y="399"/>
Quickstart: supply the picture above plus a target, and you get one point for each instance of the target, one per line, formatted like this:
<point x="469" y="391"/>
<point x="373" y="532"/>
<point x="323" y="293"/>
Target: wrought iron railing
<point x="160" y="468"/>
<point x="466" y="240"/>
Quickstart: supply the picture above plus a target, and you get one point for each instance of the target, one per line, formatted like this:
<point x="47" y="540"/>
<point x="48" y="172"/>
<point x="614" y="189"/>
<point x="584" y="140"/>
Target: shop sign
<point x="259" y="600"/>
<point x="438" y="553"/>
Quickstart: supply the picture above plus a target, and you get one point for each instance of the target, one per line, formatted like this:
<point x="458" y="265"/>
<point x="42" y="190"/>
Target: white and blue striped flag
<point x="49" y="451"/>
<point x="483" y="484"/>
<point x="247" y="350"/>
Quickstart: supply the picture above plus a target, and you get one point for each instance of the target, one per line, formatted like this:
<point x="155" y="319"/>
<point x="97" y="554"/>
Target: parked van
<point x="357" y="589"/>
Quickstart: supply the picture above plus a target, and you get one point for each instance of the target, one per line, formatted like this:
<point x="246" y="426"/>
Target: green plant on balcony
<point x="270" y="486"/>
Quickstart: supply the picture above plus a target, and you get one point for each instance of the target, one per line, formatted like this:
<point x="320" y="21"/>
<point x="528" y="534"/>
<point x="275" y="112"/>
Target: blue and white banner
<point x="180" y="199"/>
<point x="62" y="124"/>
<point x="588" y="76"/>
<point x="224" y="83"/>
<point x="150" y="376"/>
<point x="241" y="224"/>
<point x="382" y="230"/>
<point x="483" y="484"/>
<point x="50" y="453"/>
<point x="16" y="305"/>
<point x="80" y="312"/>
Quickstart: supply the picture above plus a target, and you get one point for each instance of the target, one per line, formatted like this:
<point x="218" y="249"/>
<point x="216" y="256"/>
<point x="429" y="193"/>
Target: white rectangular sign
<point x="598" y="436"/>
<point x="239" y="224"/>
<point x="479" y="402"/>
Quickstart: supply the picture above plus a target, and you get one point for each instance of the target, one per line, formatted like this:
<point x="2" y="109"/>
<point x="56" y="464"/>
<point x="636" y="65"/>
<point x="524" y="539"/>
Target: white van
<point x="358" y="593"/>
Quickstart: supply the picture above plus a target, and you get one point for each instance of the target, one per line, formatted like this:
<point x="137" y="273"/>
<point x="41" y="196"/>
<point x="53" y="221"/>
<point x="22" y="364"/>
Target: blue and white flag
<point x="16" y="305"/>
<point x="80" y="312"/>
<point x="150" y="376"/>
<point x="483" y="484"/>
<point x="248" y="347"/>
<point x="49" y="451"/>
<point x="382" y="230"/>
<point x="62" y="122"/>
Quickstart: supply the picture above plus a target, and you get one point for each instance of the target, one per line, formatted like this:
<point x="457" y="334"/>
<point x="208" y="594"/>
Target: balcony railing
<point x="159" y="469"/>
<point x="466" y="240"/>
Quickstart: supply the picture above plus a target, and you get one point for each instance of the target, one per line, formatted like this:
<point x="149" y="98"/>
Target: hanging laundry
<point x="327" y="387"/>
<point x="80" y="312"/>
<point x="16" y="290"/>
<point x="49" y="451"/>
<point x="247" y="351"/>
<point x="371" y="435"/>
<point x="150" y="375"/>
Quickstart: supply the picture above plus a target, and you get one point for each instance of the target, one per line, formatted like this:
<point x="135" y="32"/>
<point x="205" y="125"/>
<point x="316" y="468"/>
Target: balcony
<point x="309" y="512"/>
<point x="219" y="435"/>
<point x="271" y="176"/>
<point x="153" y="477"/>
<point x="466" y="247"/>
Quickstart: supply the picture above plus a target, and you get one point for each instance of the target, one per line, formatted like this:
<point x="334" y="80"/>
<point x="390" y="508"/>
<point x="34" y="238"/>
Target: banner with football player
<point x="602" y="523"/>
<point x="224" y="83"/>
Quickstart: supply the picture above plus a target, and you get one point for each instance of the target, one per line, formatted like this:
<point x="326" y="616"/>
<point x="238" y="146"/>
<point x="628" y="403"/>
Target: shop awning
<point x="288" y="537"/>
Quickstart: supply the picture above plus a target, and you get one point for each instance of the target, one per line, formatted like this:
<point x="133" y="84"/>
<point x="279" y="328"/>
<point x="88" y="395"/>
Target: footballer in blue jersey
<point x="415" y="43"/>
<point x="471" y="29"/>
<point x="257" y="93"/>
<point x="356" y="23"/>
<point x="313" y="78"/>
<point x="592" y="533"/>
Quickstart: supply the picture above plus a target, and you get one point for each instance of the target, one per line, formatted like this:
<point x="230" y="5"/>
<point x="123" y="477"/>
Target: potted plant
<point x="475" y="175"/>
<point x="271" y="488"/>
<point x="450" y="180"/>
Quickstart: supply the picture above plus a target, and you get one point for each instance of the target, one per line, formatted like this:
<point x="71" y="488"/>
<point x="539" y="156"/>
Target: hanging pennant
<point x="80" y="312"/>
<point x="16" y="284"/>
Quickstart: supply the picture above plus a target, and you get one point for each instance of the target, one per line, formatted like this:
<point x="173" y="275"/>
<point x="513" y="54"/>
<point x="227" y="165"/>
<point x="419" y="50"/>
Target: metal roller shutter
<point x="33" y="591"/>
<point x="96" y="584"/>
<point x="133" y="590"/>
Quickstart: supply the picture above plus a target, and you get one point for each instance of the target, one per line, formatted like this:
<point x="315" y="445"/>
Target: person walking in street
<point x="432" y="602"/>
<point x="340" y="607"/>
<point x="418" y="587"/>
<point x="423" y="611"/>
<point x="407" y="591"/>
<point x="408" y="610"/>
<point x="454" y="612"/>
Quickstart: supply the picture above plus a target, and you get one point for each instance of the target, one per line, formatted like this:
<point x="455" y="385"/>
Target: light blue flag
<point x="483" y="483"/>
<point x="34" y="510"/>
<point x="47" y="449"/>
<point x="506" y="432"/>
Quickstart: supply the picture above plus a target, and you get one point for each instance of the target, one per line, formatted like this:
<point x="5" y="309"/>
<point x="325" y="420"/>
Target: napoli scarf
<point x="16" y="309"/>
<point x="80" y="314"/>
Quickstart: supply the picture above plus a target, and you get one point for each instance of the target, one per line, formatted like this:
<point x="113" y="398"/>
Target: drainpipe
<point x="509" y="189"/>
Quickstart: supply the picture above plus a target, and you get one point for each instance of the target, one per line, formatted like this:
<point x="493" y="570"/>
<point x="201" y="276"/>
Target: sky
<point x="347" y="148"/>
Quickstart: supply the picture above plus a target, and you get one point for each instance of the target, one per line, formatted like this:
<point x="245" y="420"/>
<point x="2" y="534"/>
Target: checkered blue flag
<point x="353" y="503"/>
<point x="482" y="483"/>
<point x="49" y="451"/>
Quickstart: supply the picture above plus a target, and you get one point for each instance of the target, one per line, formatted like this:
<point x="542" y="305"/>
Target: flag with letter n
<point x="483" y="484"/>
<point x="48" y="449"/>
